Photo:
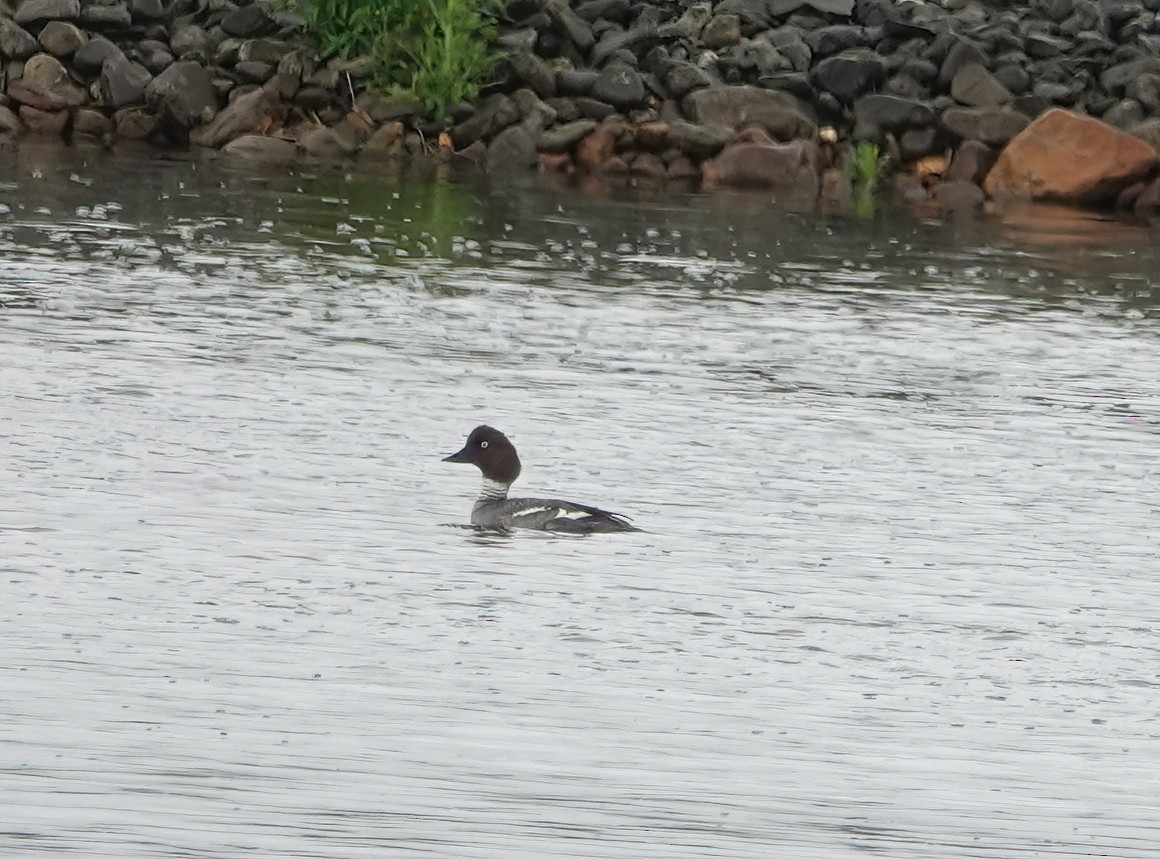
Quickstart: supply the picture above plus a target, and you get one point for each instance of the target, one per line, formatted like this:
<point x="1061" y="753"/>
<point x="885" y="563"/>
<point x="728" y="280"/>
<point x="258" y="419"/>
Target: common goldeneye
<point x="496" y="457"/>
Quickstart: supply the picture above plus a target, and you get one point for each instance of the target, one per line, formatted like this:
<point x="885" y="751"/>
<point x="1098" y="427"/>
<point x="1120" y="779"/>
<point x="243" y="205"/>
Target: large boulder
<point x="123" y="82"/>
<point x="753" y="160"/>
<point x="779" y="113"/>
<point x="46" y="71"/>
<point x="184" y="92"/>
<point x="1069" y="158"/>
<point x="253" y="113"/>
<point x="16" y="43"/>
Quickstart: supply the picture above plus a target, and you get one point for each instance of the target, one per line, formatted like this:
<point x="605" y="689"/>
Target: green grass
<point x="439" y="51"/>
<point x="866" y="168"/>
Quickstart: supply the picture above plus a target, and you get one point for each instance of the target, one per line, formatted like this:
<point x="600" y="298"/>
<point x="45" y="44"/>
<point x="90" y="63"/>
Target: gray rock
<point x="123" y="82"/>
<point x="561" y="138"/>
<point x="571" y="24"/>
<point x="594" y="108"/>
<point x="698" y="141"/>
<point x="1125" y="114"/>
<point x="91" y="56"/>
<point x="961" y="197"/>
<point x="189" y="40"/>
<point x="226" y="52"/>
<point x="876" y="113"/>
<point x="33" y="11"/>
<point x="106" y="17"/>
<point x="963" y="52"/>
<point x="61" y="38"/>
<point x="576" y="81"/>
<point x="247" y="22"/>
<point x="722" y="31"/>
<point x="1014" y="78"/>
<point x="738" y="106"/>
<point x="828" y="41"/>
<point x="326" y="144"/>
<point x="680" y="79"/>
<point x="513" y="150"/>
<point x="534" y="72"/>
<point x="974" y="86"/>
<point x="1146" y="90"/>
<point x="157" y="61"/>
<point x="24" y="91"/>
<point x="491" y="116"/>
<point x="849" y="75"/>
<point x="791" y="45"/>
<point x="261" y="50"/>
<point x="619" y="85"/>
<point x="970" y="163"/>
<point x="795" y="83"/>
<point x="991" y="125"/>
<point x="254" y="72"/>
<point x="146" y="10"/>
<point x="1041" y="46"/>
<point x="183" y="92"/>
<point x="609" y="10"/>
<point x="16" y="43"/>
<point x="914" y="143"/>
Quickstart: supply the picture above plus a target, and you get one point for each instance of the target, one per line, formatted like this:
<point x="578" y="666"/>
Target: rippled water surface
<point x="899" y="588"/>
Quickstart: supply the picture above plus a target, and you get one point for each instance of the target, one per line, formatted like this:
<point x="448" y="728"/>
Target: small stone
<point x="325" y="144"/>
<point x="960" y="197"/>
<point x="61" y="38"/>
<point x="991" y="125"/>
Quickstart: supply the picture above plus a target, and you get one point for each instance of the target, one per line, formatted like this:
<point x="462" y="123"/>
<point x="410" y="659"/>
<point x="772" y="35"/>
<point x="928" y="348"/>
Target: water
<point x="897" y="593"/>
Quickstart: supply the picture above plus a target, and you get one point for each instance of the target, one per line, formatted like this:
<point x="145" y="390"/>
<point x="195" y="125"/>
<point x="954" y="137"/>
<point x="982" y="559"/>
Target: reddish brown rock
<point x="789" y="169"/>
<point x="1070" y="158"/>
<point x="555" y="162"/>
<point x="325" y="144"/>
<point x="648" y="165"/>
<point x="594" y="151"/>
<point x="134" y="123"/>
<point x="653" y="136"/>
<point x="254" y="112"/>
<point x="9" y="122"/>
<point x="267" y="151"/>
<point x="47" y="123"/>
<point x="92" y="123"/>
<point x="35" y="95"/>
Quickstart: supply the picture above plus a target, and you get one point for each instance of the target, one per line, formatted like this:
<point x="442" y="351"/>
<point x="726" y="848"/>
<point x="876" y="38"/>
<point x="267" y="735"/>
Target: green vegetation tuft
<point x="867" y="167"/>
<point x="439" y="51"/>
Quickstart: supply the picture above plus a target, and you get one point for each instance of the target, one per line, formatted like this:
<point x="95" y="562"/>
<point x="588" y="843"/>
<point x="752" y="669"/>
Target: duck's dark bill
<point x="459" y="456"/>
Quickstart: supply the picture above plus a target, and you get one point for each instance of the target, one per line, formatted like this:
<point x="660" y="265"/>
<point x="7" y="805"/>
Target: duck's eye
<point x="483" y="444"/>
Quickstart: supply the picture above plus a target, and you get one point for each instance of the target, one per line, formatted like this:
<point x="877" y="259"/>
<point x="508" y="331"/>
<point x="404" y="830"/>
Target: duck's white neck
<point x="493" y="490"/>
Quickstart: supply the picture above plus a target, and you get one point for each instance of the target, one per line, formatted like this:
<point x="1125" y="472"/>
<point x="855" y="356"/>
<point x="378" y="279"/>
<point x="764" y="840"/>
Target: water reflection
<point x="897" y="479"/>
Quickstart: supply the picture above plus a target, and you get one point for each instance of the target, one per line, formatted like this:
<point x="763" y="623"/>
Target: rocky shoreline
<point x="1049" y="99"/>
